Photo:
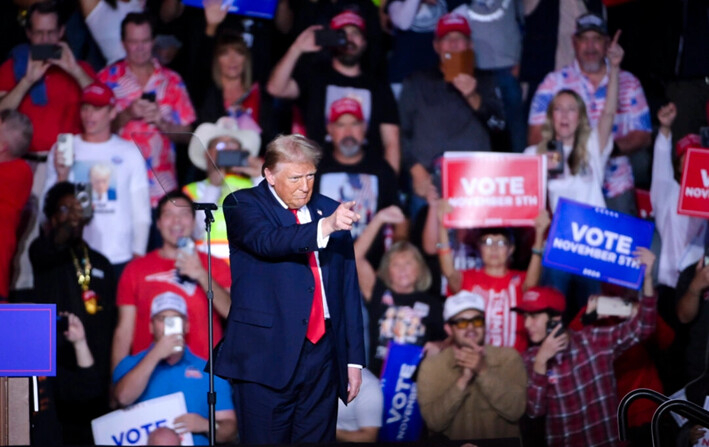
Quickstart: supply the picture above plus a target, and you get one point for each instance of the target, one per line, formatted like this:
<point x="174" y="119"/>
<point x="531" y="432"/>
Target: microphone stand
<point x="211" y="395"/>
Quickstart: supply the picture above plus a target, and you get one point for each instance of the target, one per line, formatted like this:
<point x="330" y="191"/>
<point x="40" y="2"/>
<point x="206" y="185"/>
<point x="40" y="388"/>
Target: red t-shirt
<point x="146" y="277"/>
<point x="15" y="187"/>
<point x="60" y="115"/>
<point x="503" y="327"/>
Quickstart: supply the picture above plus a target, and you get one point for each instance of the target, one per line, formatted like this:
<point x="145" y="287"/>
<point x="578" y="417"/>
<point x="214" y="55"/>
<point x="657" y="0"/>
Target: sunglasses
<point x="463" y="323"/>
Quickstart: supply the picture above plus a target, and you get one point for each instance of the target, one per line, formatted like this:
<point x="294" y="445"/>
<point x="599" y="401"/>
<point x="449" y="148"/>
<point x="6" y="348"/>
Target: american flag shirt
<point x="578" y="393"/>
<point x="633" y="114"/>
<point x="175" y="106"/>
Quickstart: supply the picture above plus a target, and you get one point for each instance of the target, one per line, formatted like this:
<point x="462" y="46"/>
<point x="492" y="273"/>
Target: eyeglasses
<point x="463" y="323"/>
<point x="490" y="242"/>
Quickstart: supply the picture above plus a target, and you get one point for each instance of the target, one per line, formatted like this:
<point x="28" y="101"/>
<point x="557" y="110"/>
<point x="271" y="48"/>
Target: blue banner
<point x="29" y="340"/>
<point x="262" y="9"/>
<point x="597" y="243"/>
<point x="402" y="417"/>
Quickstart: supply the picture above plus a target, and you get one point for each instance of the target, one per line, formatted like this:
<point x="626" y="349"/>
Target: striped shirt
<point x="578" y="393"/>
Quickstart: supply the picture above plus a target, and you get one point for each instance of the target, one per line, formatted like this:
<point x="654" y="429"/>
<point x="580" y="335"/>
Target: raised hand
<point x="615" y="51"/>
<point x="342" y="219"/>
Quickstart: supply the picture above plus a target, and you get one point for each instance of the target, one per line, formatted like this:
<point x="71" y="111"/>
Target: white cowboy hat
<point x="225" y="126"/>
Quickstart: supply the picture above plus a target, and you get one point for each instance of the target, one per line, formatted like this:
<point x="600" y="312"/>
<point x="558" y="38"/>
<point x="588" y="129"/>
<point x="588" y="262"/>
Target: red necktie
<point x="316" y="323"/>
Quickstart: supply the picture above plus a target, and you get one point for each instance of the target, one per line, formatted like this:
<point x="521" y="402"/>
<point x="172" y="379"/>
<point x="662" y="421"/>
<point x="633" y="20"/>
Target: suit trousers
<point x="304" y="411"/>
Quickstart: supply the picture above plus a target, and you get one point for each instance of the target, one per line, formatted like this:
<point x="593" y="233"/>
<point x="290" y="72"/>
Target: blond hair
<point x="578" y="158"/>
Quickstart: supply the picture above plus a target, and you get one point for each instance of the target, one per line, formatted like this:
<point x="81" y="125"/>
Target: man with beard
<point x="439" y="115"/>
<point x="588" y="76"/>
<point x="317" y="87"/>
<point x="350" y="172"/>
<point x="471" y="390"/>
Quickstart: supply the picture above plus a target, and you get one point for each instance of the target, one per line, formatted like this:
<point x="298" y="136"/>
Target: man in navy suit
<point x="294" y="340"/>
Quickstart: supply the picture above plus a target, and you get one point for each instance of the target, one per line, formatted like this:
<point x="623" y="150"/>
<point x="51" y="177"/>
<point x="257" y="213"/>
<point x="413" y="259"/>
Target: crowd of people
<point x="117" y="116"/>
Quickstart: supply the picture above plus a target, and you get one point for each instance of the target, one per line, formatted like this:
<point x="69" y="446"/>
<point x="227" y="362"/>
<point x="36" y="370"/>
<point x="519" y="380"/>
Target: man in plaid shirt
<point x="570" y="373"/>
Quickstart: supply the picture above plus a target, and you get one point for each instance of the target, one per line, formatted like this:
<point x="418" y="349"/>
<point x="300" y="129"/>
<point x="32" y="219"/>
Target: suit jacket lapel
<point x="283" y="216"/>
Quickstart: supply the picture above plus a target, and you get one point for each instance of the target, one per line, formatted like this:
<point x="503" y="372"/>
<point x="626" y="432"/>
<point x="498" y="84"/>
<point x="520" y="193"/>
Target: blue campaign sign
<point x="402" y="417"/>
<point x="262" y="9"/>
<point x="597" y="243"/>
<point x="29" y="340"/>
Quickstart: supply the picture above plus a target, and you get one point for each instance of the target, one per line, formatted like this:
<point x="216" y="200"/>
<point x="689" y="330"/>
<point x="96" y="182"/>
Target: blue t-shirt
<point x="187" y="376"/>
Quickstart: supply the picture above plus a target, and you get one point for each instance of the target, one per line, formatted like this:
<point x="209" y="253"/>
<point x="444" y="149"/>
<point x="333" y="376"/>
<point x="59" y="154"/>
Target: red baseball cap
<point x="345" y="106"/>
<point x="538" y="299"/>
<point x="347" y="18"/>
<point x="98" y="95"/>
<point x="689" y="140"/>
<point x="452" y="22"/>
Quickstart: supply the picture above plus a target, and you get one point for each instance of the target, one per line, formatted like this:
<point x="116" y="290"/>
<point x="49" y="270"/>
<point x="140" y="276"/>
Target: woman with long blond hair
<point x="585" y="153"/>
<point x="585" y="149"/>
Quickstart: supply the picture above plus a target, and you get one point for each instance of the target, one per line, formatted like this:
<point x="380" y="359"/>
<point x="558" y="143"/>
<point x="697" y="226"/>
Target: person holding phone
<point x="210" y="143"/>
<point x="571" y="378"/>
<point x="448" y="108"/>
<point x="317" y="85"/>
<point x="47" y="90"/>
<point x="169" y="366"/>
<point x="153" y="107"/>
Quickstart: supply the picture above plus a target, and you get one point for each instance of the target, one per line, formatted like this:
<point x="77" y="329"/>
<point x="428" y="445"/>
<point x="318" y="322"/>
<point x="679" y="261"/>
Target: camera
<point x="330" y="38"/>
<point x="555" y="157"/>
<point x="82" y="192"/>
<point x="43" y="52"/>
<point x="230" y="158"/>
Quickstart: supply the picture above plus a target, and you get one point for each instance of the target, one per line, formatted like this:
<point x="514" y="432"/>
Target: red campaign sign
<point x="491" y="190"/>
<point x="694" y="188"/>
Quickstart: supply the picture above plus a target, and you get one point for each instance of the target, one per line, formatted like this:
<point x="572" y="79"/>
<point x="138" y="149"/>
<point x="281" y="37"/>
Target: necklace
<point x="83" y="276"/>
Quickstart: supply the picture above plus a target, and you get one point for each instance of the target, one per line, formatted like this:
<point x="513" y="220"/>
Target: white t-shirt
<point x="682" y="236"/>
<point x="121" y="201"/>
<point x="587" y="185"/>
<point x="366" y="409"/>
<point x="104" y="23"/>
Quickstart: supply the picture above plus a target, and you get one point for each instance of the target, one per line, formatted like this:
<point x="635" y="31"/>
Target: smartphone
<point x="552" y="324"/>
<point x="613" y="306"/>
<point x="185" y="245"/>
<point x="173" y="325"/>
<point x="62" y="323"/>
<point x="329" y="38"/>
<point x="65" y="148"/>
<point x="148" y="96"/>
<point x="229" y="158"/>
<point x="82" y="192"/>
<point x="704" y="135"/>
<point x="454" y="64"/>
<point x="706" y="256"/>
<point x="43" y="52"/>
<point x="555" y="157"/>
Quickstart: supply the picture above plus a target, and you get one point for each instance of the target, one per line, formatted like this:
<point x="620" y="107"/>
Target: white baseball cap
<point x="168" y="301"/>
<point x="463" y="300"/>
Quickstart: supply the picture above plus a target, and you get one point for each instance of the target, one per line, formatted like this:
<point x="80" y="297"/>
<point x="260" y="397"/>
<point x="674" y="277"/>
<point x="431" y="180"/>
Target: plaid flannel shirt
<point x="578" y="393"/>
